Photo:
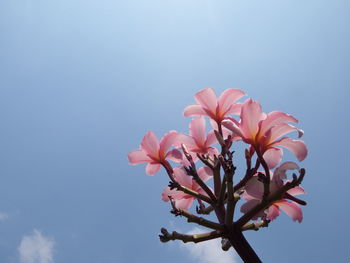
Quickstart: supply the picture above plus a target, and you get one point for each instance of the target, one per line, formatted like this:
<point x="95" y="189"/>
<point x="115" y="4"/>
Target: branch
<point x="166" y="236"/>
<point x="256" y="225"/>
<point x="191" y="192"/>
<point x="194" y="219"/>
<point x="191" y="170"/>
<point x="278" y="195"/>
<point x="248" y="175"/>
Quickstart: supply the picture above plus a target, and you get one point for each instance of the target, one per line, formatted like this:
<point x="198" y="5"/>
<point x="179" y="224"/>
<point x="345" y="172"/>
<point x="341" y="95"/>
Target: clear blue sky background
<point x="82" y="81"/>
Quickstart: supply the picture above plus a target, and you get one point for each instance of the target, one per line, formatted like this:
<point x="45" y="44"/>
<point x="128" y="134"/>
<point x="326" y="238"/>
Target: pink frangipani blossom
<point x="254" y="191"/>
<point x="216" y="108"/>
<point x="182" y="200"/>
<point x="154" y="152"/>
<point x="198" y="141"/>
<point x="263" y="131"/>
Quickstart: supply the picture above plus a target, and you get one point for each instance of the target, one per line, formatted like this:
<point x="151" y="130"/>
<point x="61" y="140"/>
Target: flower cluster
<point x="266" y="192"/>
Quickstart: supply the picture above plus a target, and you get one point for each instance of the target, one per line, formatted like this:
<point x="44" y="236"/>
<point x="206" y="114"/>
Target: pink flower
<point x="216" y="109"/>
<point x="254" y="191"/>
<point x="182" y="200"/>
<point x="155" y="153"/>
<point x="263" y="131"/>
<point x="199" y="141"/>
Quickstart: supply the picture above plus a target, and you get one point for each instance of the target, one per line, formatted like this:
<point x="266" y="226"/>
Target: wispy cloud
<point x="3" y="216"/>
<point x="36" y="248"/>
<point x="209" y="251"/>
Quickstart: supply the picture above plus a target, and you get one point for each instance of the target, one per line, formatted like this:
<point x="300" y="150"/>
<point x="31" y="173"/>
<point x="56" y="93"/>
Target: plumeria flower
<point x="198" y="141"/>
<point x="182" y="200"/>
<point x="154" y="152"/>
<point x="254" y="191"/>
<point x="263" y="131"/>
<point x="216" y="108"/>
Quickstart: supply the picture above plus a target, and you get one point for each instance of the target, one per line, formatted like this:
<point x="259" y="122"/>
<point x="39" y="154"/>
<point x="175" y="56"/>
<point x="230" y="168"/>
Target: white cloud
<point x="209" y="251"/>
<point x="3" y="216"/>
<point x="36" y="248"/>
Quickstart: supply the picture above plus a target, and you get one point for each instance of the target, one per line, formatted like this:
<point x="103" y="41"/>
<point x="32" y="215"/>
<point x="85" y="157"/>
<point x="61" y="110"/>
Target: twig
<point x="256" y="225"/>
<point x="278" y="195"/>
<point x="166" y="236"/>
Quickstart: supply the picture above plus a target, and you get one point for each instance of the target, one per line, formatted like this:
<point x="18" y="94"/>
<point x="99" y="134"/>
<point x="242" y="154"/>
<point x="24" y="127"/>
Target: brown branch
<point x="278" y="195"/>
<point x="256" y="225"/>
<point x="166" y="236"/>
<point x="192" y="171"/>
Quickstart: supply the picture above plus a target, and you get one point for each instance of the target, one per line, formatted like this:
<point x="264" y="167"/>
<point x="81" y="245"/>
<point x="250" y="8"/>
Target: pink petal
<point x="273" y="157"/>
<point x="173" y="193"/>
<point x="273" y="212"/>
<point x="197" y="130"/>
<point x="255" y="188"/>
<point x="167" y="141"/>
<point x="251" y="115"/>
<point x="205" y="173"/>
<point x="211" y="139"/>
<point x="185" y="139"/>
<point x="292" y="209"/>
<point x="182" y="177"/>
<point x="174" y="155"/>
<point x="213" y="151"/>
<point x="184" y="203"/>
<point x="233" y="126"/>
<point x="283" y="129"/>
<point x="297" y="147"/>
<point x="207" y="99"/>
<point x="235" y="109"/>
<point x="227" y="98"/>
<point x="246" y="207"/>
<point x="194" y="109"/>
<point x="225" y="132"/>
<point x="280" y="172"/>
<point x="138" y="156"/>
<point x="298" y="190"/>
<point x="273" y="118"/>
<point x="150" y="144"/>
<point x="152" y="168"/>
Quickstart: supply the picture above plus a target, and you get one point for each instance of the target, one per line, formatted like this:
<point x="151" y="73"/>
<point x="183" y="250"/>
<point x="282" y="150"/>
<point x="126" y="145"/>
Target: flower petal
<point x="227" y="98"/>
<point x="207" y="99"/>
<point x="251" y="115"/>
<point x="255" y="188"/>
<point x="292" y="209"/>
<point x="184" y="203"/>
<point x="185" y="139"/>
<point x="297" y="147"/>
<point x="150" y="144"/>
<point x="197" y="130"/>
<point x="273" y="212"/>
<point x="173" y="193"/>
<point x="246" y="207"/>
<point x="274" y="118"/>
<point x="167" y="141"/>
<point x="283" y="129"/>
<point x="233" y="126"/>
<point x="138" y="156"/>
<point x="205" y="173"/>
<point x="211" y="139"/>
<point x="298" y="190"/>
<point x="273" y="157"/>
<point x="235" y="109"/>
<point x="152" y="168"/>
<point x="194" y="109"/>
<point x="182" y="177"/>
<point x="174" y="155"/>
<point x="280" y="172"/>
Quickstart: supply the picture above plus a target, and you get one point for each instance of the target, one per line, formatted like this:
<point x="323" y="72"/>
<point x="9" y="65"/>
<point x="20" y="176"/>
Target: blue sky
<point x="81" y="82"/>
